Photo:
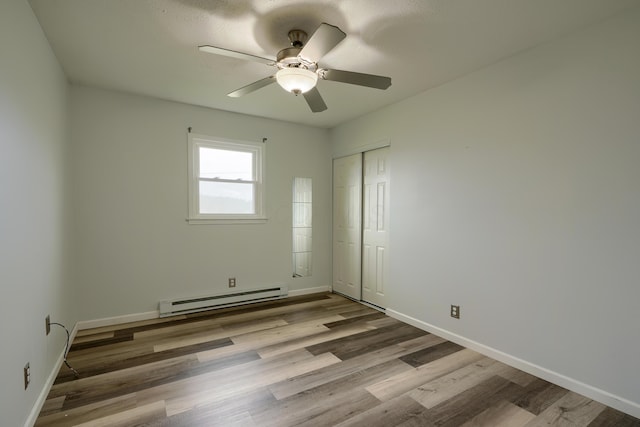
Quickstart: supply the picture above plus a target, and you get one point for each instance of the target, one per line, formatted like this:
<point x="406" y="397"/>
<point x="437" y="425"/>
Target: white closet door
<point x="347" y="219"/>
<point x="375" y="227"/>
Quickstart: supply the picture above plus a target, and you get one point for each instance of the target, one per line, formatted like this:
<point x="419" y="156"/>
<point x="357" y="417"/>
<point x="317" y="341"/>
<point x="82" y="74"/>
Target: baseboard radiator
<point x="211" y="302"/>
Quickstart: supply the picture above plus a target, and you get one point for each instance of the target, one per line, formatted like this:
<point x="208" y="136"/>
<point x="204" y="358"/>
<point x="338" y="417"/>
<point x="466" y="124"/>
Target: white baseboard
<point x="306" y="291"/>
<point x="46" y="387"/>
<point x="602" y="396"/>
<point x="116" y="320"/>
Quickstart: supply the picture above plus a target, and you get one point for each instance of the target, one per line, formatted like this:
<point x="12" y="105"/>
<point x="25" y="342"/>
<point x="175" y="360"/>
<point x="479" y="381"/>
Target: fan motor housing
<point x="297" y="38"/>
<point x="288" y="58"/>
<point x="288" y="55"/>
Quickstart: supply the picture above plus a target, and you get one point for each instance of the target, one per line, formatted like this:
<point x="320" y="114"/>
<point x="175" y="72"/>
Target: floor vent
<point x="212" y="302"/>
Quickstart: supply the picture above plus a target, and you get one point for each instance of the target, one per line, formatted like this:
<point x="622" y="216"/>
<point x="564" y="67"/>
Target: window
<point x="302" y="226"/>
<point x="225" y="180"/>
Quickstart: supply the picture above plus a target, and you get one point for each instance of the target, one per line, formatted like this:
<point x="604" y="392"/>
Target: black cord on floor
<point x="66" y="349"/>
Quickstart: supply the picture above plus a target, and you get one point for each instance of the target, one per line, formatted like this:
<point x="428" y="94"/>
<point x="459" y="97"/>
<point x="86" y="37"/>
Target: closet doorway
<point x="361" y="191"/>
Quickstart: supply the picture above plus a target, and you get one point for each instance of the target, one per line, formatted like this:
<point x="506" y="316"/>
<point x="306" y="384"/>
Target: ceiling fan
<point x="298" y="70"/>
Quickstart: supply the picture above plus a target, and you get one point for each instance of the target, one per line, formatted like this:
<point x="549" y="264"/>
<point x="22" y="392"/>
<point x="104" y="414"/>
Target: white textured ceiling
<point x="149" y="47"/>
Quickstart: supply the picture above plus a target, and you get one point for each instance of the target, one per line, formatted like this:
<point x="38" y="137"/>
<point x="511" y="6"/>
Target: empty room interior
<point x="388" y="196"/>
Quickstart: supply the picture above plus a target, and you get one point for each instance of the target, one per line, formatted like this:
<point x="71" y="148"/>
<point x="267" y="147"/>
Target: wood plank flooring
<point x="317" y="360"/>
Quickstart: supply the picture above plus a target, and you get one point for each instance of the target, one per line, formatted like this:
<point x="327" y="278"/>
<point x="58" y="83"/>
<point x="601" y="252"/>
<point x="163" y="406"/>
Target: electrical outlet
<point x="455" y="311"/>
<point x="47" y="323"/>
<point x="232" y="282"/>
<point x="27" y="375"/>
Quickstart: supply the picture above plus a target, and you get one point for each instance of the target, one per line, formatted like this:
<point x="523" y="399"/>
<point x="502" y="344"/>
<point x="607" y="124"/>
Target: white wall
<point x="33" y="143"/>
<point x="132" y="246"/>
<point x="516" y="194"/>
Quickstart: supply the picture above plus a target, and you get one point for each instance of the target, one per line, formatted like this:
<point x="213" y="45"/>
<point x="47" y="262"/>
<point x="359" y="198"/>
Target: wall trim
<point x="46" y="387"/>
<point x="386" y="142"/>
<point x="602" y="396"/>
<point x="306" y="291"/>
<point x="116" y="320"/>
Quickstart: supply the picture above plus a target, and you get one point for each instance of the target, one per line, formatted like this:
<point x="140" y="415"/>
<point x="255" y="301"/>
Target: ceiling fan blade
<point x="235" y="54"/>
<point x="360" y="79"/>
<point x="322" y="41"/>
<point x="253" y="86"/>
<point x="315" y="101"/>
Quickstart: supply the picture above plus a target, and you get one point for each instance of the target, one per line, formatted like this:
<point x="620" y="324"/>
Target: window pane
<point x="302" y="239"/>
<point x="302" y="190"/>
<point x="226" y="198"/>
<point x="302" y="227"/>
<point x="225" y="164"/>
<point x="302" y="215"/>
<point x="302" y="264"/>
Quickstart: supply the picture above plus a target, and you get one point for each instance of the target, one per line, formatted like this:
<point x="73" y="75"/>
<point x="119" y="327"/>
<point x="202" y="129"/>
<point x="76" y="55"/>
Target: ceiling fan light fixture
<point x="296" y="80"/>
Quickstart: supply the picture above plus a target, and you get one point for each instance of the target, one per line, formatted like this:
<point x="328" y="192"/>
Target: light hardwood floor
<point x="318" y="360"/>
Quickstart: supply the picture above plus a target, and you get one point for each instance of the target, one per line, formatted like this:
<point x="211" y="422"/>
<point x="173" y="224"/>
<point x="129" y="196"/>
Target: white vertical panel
<point x="380" y="206"/>
<point x="340" y="209"/>
<point x="380" y="270"/>
<point x="366" y="271"/>
<point x="347" y="219"/>
<point x="375" y="237"/>
<point x="338" y="265"/>
<point x="352" y="268"/>
<point x="353" y="207"/>
<point x="366" y="220"/>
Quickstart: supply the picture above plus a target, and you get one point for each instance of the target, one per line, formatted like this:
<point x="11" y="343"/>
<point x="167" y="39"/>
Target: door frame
<point x="337" y="154"/>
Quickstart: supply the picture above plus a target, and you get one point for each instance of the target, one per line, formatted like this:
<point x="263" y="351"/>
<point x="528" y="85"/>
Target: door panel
<point x="347" y="218"/>
<point x="375" y="233"/>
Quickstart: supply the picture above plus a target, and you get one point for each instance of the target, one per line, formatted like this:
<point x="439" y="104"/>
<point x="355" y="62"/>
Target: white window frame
<point x="195" y="142"/>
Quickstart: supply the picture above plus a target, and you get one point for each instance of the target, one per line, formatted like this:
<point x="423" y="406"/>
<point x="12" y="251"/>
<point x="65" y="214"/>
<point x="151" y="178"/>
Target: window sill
<point x="226" y="221"/>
